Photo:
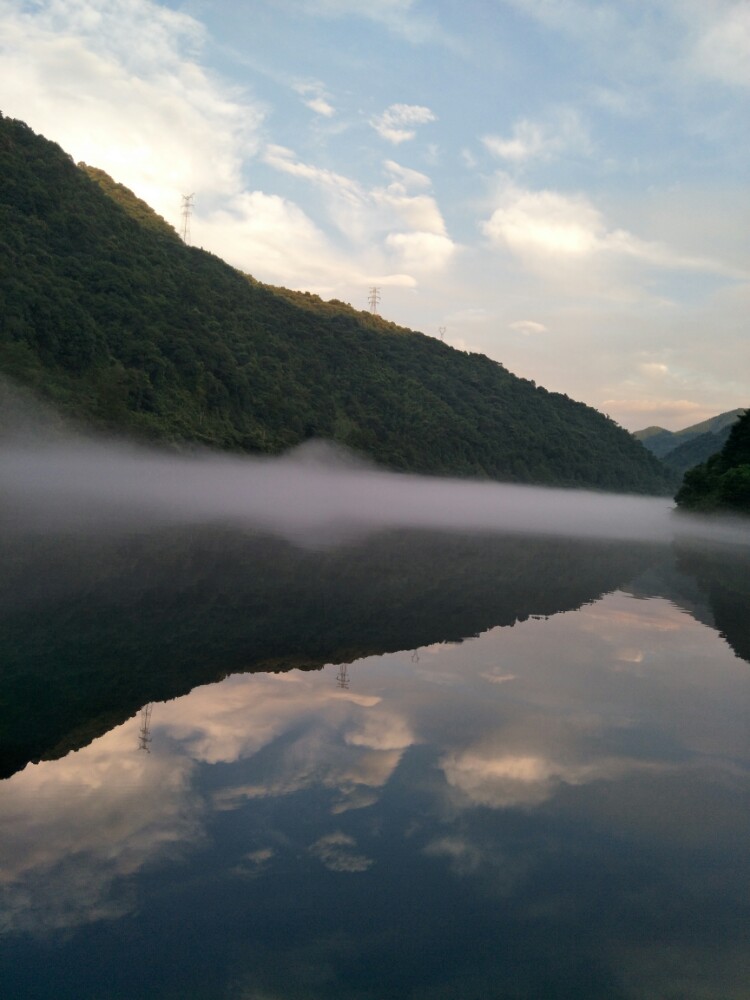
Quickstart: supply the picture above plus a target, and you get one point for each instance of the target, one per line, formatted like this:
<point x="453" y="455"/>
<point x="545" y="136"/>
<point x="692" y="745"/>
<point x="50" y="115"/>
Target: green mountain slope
<point x="662" y="442"/>
<point x="105" y="312"/>
<point x="696" y="450"/>
<point x="723" y="482"/>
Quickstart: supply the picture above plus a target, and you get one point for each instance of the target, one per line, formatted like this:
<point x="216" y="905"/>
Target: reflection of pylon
<point x="342" y="677"/>
<point x="415" y="656"/>
<point x="144" y="736"/>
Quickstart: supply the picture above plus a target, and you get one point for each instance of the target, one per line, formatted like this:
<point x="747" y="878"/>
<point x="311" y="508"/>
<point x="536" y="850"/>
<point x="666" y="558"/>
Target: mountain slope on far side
<point x="723" y="482"/>
<point x="106" y="313"/>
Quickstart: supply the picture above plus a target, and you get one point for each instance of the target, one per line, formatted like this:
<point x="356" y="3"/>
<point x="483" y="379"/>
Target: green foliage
<point x="105" y="312"/>
<point x="723" y="482"/>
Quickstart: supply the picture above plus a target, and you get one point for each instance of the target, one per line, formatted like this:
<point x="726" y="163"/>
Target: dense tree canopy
<point x="723" y="482"/>
<point x="105" y="312"/>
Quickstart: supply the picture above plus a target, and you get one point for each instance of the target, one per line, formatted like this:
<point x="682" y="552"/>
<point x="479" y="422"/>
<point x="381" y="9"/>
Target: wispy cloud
<point x="398" y="122"/>
<point x="315" y="97"/>
<point x="723" y="49"/>
<point x="531" y="140"/>
<point x="119" y="85"/>
<point x="545" y="226"/>
<point x="403" y="18"/>
<point x="527" y="326"/>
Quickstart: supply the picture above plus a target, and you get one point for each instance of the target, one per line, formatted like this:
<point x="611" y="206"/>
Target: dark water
<point x="435" y="767"/>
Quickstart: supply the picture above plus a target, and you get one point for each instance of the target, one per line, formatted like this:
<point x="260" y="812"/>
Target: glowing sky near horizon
<point x="560" y="184"/>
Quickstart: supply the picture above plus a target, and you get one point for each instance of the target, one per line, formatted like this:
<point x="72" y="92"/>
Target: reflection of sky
<point x="578" y="784"/>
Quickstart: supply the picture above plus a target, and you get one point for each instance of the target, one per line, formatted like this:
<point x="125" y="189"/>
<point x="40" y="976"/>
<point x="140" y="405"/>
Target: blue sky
<point x="560" y="184"/>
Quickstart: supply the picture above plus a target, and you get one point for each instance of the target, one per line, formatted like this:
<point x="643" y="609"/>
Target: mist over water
<point x="317" y="494"/>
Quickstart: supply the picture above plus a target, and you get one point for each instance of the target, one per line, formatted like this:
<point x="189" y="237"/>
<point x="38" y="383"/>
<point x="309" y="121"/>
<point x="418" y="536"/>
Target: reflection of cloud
<point x="70" y="828"/>
<point x="465" y="857"/>
<point x="504" y="780"/>
<point x="335" y="852"/>
<point x="254" y="863"/>
<point x="382" y="731"/>
<point x="236" y="719"/>
<point x="319" y="760"/>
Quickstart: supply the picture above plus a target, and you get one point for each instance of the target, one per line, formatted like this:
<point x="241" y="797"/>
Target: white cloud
<point x="418" y="212"/>
<point x="398" y="123"/>
<point x="545" y="222"/>
<point x="405" y="177"/>
<point x="314" y="97"/>
<point x="423" y="251"/>
<point x="547" y="228"/>
<point x="654" y="369"/>
<point x="528" y="326"/>
<point x="398" y="16"/>
<point x="536" y="140"/>
<point x="723" y="51"/>
<point x="361" y="215"/>
<point x="117" y="84"/>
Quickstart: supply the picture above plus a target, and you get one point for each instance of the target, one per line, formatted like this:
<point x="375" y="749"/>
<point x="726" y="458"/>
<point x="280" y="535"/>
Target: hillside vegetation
<point x="106" y="313"/>
<point x="723" y="482"/>
<point x="682" y="450"/>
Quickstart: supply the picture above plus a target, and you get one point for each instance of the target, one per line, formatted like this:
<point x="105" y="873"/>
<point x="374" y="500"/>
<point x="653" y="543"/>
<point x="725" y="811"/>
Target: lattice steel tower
<point x="374" y="299"/>
<point x="144" y="736"/>
<point x="187" y="211"/>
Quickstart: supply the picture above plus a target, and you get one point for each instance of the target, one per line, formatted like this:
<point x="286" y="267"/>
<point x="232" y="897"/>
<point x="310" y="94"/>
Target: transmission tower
<point x="442" y="330"/>
<point x="187" y="211"/>
<point x="342" y="677"/>
<point x="374" y="299"/>
<point x="144" y="736"/>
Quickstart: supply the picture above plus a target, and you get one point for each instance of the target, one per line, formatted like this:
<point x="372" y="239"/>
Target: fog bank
<point x="315" y="495"/>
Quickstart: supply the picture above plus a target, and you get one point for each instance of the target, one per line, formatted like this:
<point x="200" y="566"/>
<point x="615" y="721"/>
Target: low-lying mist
<point x="317" y="494"/>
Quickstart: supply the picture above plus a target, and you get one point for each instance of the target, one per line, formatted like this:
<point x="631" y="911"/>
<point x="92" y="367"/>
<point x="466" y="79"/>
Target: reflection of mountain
<point x="725" y="580"/>
<point x="712" y="586"/>
<point x="92" y="633"/>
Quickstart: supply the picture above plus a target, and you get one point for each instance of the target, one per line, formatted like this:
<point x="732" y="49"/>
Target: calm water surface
<point x="554" y="809"/>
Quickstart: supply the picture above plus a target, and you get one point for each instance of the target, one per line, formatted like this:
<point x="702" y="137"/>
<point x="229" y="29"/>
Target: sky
<point x="559" y="184"/>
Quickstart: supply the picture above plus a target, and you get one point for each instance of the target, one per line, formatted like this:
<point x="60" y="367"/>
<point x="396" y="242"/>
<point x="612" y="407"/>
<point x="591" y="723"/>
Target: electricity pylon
<point x="187" y="211"/>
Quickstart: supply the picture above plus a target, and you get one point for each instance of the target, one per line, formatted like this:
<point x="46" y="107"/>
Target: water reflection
<point x="92" y="629"/>
<point x="556" y="809"/>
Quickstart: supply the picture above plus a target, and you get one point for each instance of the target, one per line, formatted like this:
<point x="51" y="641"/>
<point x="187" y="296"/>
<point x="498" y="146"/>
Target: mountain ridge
<point x="712" y="432"/>
<point x="108" y="315"/>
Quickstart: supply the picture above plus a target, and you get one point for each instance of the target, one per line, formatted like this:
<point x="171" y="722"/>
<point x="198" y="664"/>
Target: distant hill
<point x="106" y="313"/>
<point x="723" y="482"/>
<point x="681" y="450"/>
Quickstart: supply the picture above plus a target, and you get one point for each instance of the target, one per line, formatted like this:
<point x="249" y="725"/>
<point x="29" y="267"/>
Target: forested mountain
<point x="106" y="313"/>
<point x="723" y="482"/>
<point x="696" y="450"/>
<point x="681" y="450"/>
